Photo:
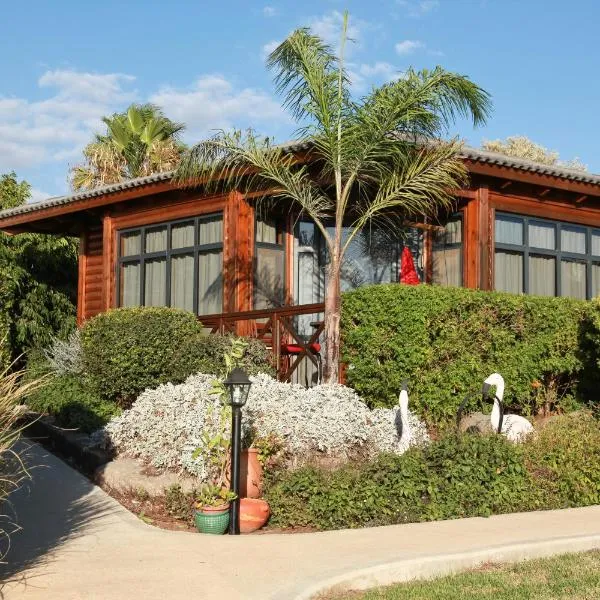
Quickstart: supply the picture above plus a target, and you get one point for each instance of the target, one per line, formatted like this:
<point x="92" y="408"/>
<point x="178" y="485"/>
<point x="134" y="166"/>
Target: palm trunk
<point x="332" y="322"/>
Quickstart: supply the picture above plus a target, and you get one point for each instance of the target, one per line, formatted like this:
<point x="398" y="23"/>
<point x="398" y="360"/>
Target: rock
<point x="126" y="474"/>
<point x="475" y="423"/>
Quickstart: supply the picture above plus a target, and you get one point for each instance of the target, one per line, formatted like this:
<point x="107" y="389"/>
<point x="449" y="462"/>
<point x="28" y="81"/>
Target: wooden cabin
<point x="520" y="227"/>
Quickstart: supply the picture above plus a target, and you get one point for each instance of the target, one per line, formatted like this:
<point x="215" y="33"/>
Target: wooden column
<point x="472" y="255"/>
<point x="82" y="263"/>
<point x="486" y="253"/>
<point x="108" y="263"/>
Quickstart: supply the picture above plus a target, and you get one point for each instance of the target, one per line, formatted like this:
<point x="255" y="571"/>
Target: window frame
<point x="526" y="250"/>
<point x="280" y="245"/>
<point x="167" y="254"/>
<point x="436" y="247"/>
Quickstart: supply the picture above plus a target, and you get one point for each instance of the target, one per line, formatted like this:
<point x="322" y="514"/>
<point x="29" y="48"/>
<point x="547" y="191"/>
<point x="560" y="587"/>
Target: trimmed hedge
<point x="445" y="341"/>
<point x="454" y="477"/>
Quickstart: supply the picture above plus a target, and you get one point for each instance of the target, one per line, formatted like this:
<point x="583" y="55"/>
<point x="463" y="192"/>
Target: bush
<point x="458" y="476"/>
<point x="204" y="354"/>
<point x="445" y="341"/>
<point x="128" y="350"/>
<point x="565" y="460"/>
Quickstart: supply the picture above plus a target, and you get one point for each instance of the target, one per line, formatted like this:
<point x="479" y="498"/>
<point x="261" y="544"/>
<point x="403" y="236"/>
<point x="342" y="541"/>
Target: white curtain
<point x="572" y="279"/>
<point x="269" y="277"/>
<point x="509" y="230"/>
<point x="508" y="272"/>
<point x="542" y="235"/>
<point x="572" y="239"/>
<point x="446" y="266"/>
<point x="155" y="282"/>
<point x="266" y="231"/>
<point x="156" y="240"/>
<point x="182" y="281"/>
<point x="210" y="282"/>
<point x="542" y="275"/>
<point x="596" y="244"/>
<point x="130" y="284"/>
<point x="595" y="280"/>
<point x="131" y="243"/>
<point x="182" y="235"/>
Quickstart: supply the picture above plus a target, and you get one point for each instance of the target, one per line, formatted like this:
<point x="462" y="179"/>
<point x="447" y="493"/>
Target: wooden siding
<point x="91" y="274"/>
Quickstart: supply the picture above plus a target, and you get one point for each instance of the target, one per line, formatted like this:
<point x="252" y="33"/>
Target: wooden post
<point x="107" y="261"/>
<point x="485" y="251"/>
<point x="82" y="261"/>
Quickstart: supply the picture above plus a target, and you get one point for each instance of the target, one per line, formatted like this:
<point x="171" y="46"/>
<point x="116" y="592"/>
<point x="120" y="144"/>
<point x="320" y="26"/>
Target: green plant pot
<point x="212" y="520"/>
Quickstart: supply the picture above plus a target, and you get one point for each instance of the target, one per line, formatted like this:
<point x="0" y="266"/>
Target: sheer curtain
<point x="182" y="281"/>
<point x="595" y="280"/>
<point x="572" y="279"/>
<point x="542" y="235"/>
<point x="572" y="239"/>
<point x="447" y="255"/>
<point x="508" y="230"/>
<point x="130" y="284"/>
<point x="542" y="275"/>
<point x="210" y="282"/>
<point x="155" y="276"/>
<point x="508" y="272"/>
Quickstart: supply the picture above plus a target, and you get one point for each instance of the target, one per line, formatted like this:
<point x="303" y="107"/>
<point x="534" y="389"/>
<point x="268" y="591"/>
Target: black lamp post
<point x="238" y="386"/>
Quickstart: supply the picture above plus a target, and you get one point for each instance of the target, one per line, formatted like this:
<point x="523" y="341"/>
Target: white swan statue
<point x="514" y="427"/>
<point x="405" y="428"/>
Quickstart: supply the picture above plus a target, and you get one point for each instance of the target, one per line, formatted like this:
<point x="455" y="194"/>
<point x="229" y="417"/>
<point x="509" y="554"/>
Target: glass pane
<point x="542" y="275"/>
<point x="447" y="267"/>
<point x="131" y="243"/>
<point x="210" y="282"/>
<point x="182" y="281"/>
<point x="542" y="235"/>
<point x="156" y="239"/>
<point x="595" y="280"/>
<point x="155" y="282"/>
<point x="508" y="272"/>
<point x="130" y="284"/>
<point x="182" y="235"/>
<point x="211" y="230"/>
<point x="572" y="279"/>
<point x="572" y="239"/>
<point x="268" y="278"/>
<point x="596" y="243"/>
<point x="266" y="231"/>
<point x="509" y="230"/>
<point x="452" y="233"/>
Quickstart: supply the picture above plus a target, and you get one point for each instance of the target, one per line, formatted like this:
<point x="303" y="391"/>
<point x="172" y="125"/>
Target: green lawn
<point x="571" y="576"/>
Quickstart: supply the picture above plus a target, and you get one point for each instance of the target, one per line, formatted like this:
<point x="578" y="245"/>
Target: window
<point x="269" y="263"/>
<point x="447" y="254"/>
<point x="178" y="264"/>
<point x="546" y="258"/>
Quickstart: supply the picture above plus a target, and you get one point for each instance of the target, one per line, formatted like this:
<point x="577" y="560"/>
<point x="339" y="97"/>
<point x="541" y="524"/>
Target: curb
<point x="430" y="567"/>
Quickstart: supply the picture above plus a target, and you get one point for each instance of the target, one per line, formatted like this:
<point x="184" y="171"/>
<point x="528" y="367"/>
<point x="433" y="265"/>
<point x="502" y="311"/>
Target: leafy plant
<point x="445" y="341"/>
<point x="213" y="495"/>
<point x="179" y="504"/>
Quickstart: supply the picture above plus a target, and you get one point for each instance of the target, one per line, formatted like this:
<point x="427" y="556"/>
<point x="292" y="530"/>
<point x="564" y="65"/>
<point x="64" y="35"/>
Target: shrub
<point x="164" y="426"/>
<point x="72" y="403"/>
<point x="445" y="341"/>
<point x="64" y="357"/>
<point x="130" y="349"/>
<point x="457" y="476"/>
<point x="565" y="460"/>
<point x="204" y="354"/>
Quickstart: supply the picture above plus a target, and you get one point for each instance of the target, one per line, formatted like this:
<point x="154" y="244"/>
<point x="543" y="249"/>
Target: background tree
<point x="365" y="163"/>
<point x="138" y="142"/>
<point x="522" y="147"/>
<point x="38" y="282"/>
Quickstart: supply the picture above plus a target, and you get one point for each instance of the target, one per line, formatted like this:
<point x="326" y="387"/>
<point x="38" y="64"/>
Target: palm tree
<point x="378" y="159"/>
<point x="138" y="142"/>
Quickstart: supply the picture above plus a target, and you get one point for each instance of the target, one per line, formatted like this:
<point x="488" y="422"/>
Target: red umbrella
<point x="408" y="273"/>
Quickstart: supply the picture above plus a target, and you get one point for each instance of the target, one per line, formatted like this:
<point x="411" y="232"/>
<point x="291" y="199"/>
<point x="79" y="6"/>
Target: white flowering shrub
<point x="65" y="356"/>
<point x="164" y="426"/>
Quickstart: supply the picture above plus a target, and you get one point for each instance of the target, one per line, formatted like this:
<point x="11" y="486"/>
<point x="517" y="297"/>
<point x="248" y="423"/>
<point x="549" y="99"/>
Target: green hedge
<point x="445" y="341"/>
<point x="454" y="477"/>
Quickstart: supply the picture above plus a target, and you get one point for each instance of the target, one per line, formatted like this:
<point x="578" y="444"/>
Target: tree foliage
<point x="372" y="159"/>
<point x="38" y="282"/>
<point x="522" y="147"/>
<point x="138" y="142"/>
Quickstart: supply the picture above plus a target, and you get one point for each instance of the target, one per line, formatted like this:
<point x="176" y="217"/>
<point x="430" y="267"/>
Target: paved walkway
<point x="79" y="544"/>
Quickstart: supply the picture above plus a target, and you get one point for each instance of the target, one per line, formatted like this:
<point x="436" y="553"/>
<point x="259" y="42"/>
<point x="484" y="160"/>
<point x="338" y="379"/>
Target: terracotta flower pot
<point x="254" y="513"/>
<point x="251" y="474"/>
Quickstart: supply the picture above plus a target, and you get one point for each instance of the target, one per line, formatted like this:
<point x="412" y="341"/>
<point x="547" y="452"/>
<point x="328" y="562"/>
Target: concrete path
<point x="79" y="544"/>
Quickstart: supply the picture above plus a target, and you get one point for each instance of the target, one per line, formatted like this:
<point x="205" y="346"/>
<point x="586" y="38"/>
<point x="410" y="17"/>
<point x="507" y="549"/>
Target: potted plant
<point x="212" y="509"/>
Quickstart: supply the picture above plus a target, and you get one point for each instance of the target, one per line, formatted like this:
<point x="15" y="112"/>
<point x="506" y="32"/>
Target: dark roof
<point x="473" y="154"/>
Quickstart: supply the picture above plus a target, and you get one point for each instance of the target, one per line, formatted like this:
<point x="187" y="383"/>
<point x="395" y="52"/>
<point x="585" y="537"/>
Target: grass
<point x="571" y="576"/>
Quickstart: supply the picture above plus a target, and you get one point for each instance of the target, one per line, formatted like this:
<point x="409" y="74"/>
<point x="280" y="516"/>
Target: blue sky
<point x="65" y="64"/>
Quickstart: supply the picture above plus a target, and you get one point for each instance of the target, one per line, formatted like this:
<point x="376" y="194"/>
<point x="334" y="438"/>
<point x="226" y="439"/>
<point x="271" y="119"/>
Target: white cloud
<point x="269" y="11"/>
<point x="212" y="103"/>
<point x="361" y="75"/>
<point x="329" y="28"/>
<point x="418" y="8"/>
<point x="268" y="48"/>
<point x="408" y="46"/>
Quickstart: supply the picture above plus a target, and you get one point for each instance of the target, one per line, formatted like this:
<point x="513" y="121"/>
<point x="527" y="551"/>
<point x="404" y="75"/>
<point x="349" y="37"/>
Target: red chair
<point x="298" y="350"/>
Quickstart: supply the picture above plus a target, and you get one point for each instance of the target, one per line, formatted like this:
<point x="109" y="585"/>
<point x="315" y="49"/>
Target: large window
<point x="546" y="258"/>
<point x="269" y="263"/>
<point x="178" y="264"/>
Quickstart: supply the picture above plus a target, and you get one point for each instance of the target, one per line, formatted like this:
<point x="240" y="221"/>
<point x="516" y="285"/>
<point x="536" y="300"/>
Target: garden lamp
<point x="238" y="387"/>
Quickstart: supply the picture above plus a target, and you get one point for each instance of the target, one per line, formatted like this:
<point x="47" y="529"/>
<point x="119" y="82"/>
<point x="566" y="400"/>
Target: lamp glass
<point x="238" y="385"/>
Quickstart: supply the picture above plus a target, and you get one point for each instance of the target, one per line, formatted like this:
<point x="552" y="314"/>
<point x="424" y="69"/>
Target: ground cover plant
<point x="458" y="475"/>
<point x="567" y="577"/>
<point x="445" y="341"/>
